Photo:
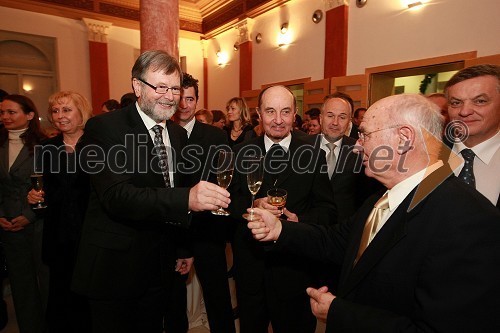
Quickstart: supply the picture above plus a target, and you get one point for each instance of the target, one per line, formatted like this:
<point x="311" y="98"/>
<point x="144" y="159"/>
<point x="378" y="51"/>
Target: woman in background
<point x="239" y="120"/>
<point x="21" y="228"/>
<point x="66" y="192"/>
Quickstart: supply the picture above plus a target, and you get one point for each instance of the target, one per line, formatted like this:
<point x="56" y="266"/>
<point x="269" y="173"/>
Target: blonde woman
<point x="239" y="120"/>
<point x="66" y="191"/>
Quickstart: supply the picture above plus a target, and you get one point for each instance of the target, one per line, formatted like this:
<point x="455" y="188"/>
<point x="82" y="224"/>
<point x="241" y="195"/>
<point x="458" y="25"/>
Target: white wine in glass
<point x="37" y="183"/>
<point x="254" y="180"/>
<point x="224" y="171"/>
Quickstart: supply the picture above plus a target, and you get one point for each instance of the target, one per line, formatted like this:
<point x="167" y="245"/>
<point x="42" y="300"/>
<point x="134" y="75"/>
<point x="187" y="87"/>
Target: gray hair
<point x="418" y="111"/>
<point x="155" y="60"/>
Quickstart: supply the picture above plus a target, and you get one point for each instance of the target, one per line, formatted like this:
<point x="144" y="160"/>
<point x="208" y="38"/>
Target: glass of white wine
<point x="277" y="198"/>
<point x="37" y="183"/>
<point x="224" y="171"/>
<point x="254" y="180"/>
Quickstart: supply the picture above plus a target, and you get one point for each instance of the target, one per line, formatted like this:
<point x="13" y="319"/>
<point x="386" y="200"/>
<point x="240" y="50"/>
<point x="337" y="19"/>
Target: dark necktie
<point x="161" y="152"/>
<point x="376" y="216"/>
<point x="467" y="173"/>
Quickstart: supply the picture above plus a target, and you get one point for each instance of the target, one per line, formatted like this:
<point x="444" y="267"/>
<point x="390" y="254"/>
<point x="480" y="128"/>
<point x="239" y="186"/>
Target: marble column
<point x="160" y="26"/>
<point x="98" y="58"/>
<point x="336" y="37"/>
<point x="245" y="48"/>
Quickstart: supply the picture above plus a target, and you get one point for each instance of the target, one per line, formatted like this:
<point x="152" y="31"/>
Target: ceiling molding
<point x="206" y="17"/>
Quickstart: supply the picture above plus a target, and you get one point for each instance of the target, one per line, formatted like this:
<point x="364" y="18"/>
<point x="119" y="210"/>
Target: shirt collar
<point x="189" y="126"/>
<point x="399" y="192"/>
<point x="337" y="143"/>
<point x="484" y="151"/>
<point x="285" y="143"/>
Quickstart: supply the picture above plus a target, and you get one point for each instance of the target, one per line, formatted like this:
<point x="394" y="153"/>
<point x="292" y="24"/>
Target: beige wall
<point x="381" y="33"/>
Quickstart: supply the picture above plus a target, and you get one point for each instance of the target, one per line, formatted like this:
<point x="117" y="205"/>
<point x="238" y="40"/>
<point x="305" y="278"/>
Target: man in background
<point x="474" y="100"/>
<point x="208" y="232"/>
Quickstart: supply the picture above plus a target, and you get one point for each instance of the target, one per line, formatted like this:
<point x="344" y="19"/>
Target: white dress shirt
<point x="150" y="123"/>
<point x="486" y="166"/>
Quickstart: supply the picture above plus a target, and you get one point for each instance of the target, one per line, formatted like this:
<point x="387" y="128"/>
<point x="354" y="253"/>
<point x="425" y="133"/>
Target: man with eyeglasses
<point x="423" y="256"/>
<point x="127" y="253"/>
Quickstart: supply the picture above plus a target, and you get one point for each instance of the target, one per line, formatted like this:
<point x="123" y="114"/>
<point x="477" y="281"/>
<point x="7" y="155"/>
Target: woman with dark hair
<point x="21" y="228"/>
<point x="239" y="120"/>
<point x="66" y="192"/>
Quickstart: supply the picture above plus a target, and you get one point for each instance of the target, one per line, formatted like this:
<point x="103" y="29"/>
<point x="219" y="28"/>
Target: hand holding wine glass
<point x="224" y="171"/>
<point x="255" y="176"/>
<point x="37" y="182"/>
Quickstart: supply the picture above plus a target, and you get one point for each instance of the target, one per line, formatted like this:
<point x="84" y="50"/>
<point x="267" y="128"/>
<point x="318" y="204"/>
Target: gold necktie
<point x="376" y="216"/>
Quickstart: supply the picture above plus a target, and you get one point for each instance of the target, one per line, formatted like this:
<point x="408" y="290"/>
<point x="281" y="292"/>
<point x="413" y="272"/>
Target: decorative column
<point x="337" y="15"/>
<point x="160" y="26"/>
<point x="98" y="57"/>
<point x="245" y="48"/>
<point x="204" y="47"/>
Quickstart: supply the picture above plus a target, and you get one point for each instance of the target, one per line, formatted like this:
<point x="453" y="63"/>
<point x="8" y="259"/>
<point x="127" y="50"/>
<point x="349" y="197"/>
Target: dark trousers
<point x="176" y="320"/>
<point x="143" y="314"/>
<point x="211" y="268"/>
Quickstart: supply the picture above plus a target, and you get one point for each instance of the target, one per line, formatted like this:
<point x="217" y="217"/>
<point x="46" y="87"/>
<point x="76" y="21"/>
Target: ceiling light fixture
<point x="284" y="28"/>
<point x="415" y="4"/>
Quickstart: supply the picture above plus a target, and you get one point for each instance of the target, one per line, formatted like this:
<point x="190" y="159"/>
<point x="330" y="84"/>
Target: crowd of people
<point x="391" y="221"/>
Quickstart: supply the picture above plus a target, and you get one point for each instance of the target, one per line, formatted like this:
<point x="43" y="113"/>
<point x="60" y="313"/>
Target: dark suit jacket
<point x="202" y="144"/>
<point x="351" y="187"/>
<point x="67" y="190"/>
<point x="309" y="196"/>
<point x="432" y="269"/>
<point x="15" y="184"/>
<point x="131" y="216"/>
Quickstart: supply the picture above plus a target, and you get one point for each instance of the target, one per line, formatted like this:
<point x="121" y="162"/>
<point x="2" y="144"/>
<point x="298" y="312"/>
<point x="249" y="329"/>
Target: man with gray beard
<point x="127" y="254"/>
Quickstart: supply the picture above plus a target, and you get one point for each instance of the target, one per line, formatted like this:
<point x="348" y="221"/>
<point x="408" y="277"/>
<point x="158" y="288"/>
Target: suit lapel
<point x="390" y="234"/>
<point x="20" y="160"/>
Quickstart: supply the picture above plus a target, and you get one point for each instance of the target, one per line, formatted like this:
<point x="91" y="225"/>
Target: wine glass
<point x="254" y="180"/>
<point x="224" y="171"/>
<point x="277" y="198"/>
<point x="37" y="182"/>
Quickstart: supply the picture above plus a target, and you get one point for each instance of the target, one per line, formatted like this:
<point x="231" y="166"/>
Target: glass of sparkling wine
<point x="37" y="182"/>
<point x="277" y="198"/>
<point x="254" y="180"/>
<point x="224" y="171"/>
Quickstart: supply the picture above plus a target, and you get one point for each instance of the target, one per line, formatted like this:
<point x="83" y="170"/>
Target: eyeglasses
<point x="363" y="136"/>
<point x="162" y="89"/>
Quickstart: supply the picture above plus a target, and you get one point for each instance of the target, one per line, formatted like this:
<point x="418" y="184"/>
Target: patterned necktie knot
<point x="467" y="173"/>
<point x="161" y="152"/>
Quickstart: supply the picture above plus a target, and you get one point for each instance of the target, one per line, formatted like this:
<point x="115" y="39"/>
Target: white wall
<point x="384" y="32"/>
<point x="72" y="44"/>
<point x="381" y="33"/>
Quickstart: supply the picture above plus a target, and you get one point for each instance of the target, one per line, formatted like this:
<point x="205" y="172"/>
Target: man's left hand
<point x="320" y="300"/>
<point x="183" y="265"/>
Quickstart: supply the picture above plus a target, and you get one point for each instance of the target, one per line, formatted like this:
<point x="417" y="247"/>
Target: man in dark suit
<point x="474" y="109"/>
<point x="127" y="257"/>
<point x="271" y="288"/>
<point x="208" y="232"/>
<point x="425" y="257"/>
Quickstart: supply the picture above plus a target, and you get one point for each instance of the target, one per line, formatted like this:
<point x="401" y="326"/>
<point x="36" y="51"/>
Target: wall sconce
<point x="27" y="87"/>
<point x="317" y="16"/>
<point x="360" y="3"/>
<point x="258" y="38"/>
<point x="236" y="46"/>
<point x="414" y="4"/>
<point x="284" y="28"/>
<point x="222" y="58"/>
